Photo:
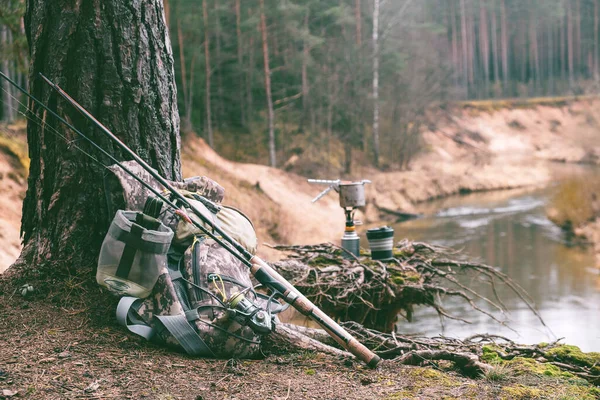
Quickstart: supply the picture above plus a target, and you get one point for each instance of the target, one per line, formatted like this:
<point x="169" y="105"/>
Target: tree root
<point x="374" y="293"/>
<point x="467" y="355"/>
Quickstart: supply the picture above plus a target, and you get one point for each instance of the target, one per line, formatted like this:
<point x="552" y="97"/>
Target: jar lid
<point x="383" y="232"/>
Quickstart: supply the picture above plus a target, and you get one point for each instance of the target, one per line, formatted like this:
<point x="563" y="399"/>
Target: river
<point x="509" y="230"/>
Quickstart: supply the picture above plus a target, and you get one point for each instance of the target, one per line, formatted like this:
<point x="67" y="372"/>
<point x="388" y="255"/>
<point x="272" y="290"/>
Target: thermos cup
<point x="381" y="242"/>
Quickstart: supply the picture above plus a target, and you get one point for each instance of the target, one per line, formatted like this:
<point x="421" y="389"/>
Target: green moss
<point x="520" y="392"/>
<point x="431" y="377"/>
<point x="574" y="355"/>
<point x="310" y="371"/>
<point x="523" y="365"/>
<point x="490" y="354"/>
<point x="322" y="261"/>
<point x="398" y="280"/>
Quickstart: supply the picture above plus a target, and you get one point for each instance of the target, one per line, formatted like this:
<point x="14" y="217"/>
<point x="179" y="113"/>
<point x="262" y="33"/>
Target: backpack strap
<point x="177" y="325"/>
<point x="126" y="313"/>
<point x="187" y="337"/>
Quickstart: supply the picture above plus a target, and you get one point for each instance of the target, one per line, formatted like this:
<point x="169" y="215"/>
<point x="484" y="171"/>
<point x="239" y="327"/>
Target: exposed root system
<point x="374" y="293"/>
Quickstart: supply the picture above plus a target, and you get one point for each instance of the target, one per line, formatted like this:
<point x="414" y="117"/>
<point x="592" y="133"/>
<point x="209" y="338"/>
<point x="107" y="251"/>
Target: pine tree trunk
<point x="167" y="13"/>
<point x="218" y="62"/>
<point x="376" y="83"/>
<point x="211" y="140"/>
<point x="121" y="70"/>
<point x="8" y="111"/>
<point x="240" y="57"/>
<point x="570" y="46"/>
<point x="305" y="86"/>
<point x="496" y="63"/>
<point x="484" y="42"/>
<point x="187" y="120"/>
<point x="358" y="19"/>
<point x="271" y="112"/>
<point x="596" y="44"/>
<point x="504" y="35"/>
<point x="465" y="44"/>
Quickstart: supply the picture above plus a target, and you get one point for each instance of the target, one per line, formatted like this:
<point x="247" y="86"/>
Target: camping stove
<point x="352" y="196"/>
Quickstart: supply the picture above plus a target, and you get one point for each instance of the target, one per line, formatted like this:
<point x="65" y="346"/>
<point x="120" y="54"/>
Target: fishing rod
<point x="263" y="272"/>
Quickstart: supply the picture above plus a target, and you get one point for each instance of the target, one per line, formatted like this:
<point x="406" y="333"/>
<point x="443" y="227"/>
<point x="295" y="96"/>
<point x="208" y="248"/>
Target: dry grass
<point x="495" y="105"/>
<point x="15" y="147"/>
<point x="576" y="202"/>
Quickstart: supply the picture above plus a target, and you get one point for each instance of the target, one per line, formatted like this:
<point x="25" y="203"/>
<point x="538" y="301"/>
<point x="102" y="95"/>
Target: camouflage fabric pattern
<point x="162" y="301"/>
<point x="219" y="332"/>
<point x="204" y="186"/>
<point x="123" y="192"/>
<point x="208" y="257"/>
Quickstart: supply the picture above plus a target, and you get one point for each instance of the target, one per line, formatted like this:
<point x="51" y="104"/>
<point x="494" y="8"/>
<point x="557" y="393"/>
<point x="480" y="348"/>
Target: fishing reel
<point x="247" y="312"/>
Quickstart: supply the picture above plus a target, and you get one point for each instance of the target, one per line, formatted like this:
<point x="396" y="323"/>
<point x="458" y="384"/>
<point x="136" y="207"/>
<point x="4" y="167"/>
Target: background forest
<point x="321" y="84"/>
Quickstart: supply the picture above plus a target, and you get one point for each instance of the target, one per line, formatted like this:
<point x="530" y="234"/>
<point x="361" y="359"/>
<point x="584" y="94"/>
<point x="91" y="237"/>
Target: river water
<point x="509" y="230"/>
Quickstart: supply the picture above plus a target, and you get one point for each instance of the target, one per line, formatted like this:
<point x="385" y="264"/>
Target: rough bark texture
<point x="114" y="57"/>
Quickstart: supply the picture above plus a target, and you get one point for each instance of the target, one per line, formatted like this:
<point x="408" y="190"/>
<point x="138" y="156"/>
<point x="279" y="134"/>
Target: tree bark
<point x="484" y="46"/>
<point x="358" y="18"/>
<point x="305" y="86"/>
<point x="167" y="13"/>
<point x="271" y="112"/>
<point x="240" y="57"/>
<point x="495" y="57"/>
<point x="187" y="120"/>
<point x="596" y="44"/>
<point x="570" y="45"/>
<point x="376" y="83"/>
<point x="8" y="112"/>
<point x="211" y="140"/>
<point x="121" y="70"/>
<point x="504" y="35"/>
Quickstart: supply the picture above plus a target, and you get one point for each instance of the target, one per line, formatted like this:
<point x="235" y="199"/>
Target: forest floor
<point x="52" y="347"/>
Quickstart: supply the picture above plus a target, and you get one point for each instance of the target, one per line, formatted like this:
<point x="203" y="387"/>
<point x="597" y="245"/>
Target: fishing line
<point x="178" y="211"/>
<point x="44" y="125"/>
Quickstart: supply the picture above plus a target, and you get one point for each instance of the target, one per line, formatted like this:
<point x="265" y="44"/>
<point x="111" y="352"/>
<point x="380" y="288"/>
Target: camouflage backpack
<point x="203" y="300"/>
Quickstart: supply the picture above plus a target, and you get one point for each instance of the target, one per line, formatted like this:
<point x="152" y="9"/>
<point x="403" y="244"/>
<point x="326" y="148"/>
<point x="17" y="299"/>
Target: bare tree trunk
<point x="167" y="13"/>
<point x="271" y="112"/>
<point x="495" y="55"/>
<point x="187" y="120"/>
<point x="454" y="34"/>
<point x="240" y="57"/>
<point x="211" y="140"/>
<point x="305" y="87"/>
<point x="122" y="71"/>
<point x="358" y="19"/>
<point x="376" y="82"/>
<point x="8" y="114"/>
<point x="579" y="56"/>
<point x="570" y="41"/>
<point x="465" y="43"/>
<point x="249" y="79"/>
<point x="220" y="104"/>
<point x="550" y="60"/>
<point x="484" y="42"/>
<point x="596" y="44"/>
<point x="504" y="34"/>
